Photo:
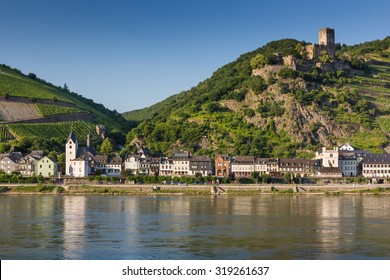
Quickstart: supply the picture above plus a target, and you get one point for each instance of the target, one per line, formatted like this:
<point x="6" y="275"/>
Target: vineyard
<point x="52" y="130"/>
<point x="24" y="87"/>
<point x="50" y="110"/>
<point x="5" y="134"/>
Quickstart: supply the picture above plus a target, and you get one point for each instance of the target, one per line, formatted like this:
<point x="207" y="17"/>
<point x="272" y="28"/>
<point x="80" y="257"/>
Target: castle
<point x="311" y="55"/>
<point x="326" y="42"/>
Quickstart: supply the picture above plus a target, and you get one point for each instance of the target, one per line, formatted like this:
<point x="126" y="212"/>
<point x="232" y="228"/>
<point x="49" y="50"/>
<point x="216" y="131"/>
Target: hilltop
<point x="259" y="106"/>
<point x="33" y="108"/>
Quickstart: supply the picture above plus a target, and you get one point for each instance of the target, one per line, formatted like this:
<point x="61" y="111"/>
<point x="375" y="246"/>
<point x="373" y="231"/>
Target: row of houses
<point x="28" y="165"/>
<point x="344" y="161"/>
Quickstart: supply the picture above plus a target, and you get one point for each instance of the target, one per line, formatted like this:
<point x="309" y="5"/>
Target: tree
<point x="66" y="88"/>
<point x="32" y="76"/>
<point x="259" y="61"/>
<point x="106" y="148"/>
<point x="61" y="162"/>
<point x="325" y="57"/>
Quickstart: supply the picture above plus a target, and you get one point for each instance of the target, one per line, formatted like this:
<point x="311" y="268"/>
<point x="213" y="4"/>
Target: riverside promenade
<point x="193" y="189"/>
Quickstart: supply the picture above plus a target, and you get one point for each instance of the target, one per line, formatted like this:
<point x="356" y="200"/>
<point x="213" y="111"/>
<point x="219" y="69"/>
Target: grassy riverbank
<point x="195" y="189"/>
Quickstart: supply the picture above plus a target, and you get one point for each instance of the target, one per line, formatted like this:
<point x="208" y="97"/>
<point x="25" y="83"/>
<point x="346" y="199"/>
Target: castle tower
<point x="327" y="41"/>
<point x="71" y="147"/>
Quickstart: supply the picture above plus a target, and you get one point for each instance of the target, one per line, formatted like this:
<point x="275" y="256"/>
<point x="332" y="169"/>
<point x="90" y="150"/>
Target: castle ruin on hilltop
<point x="321" y="56"/>
<point x="313" y="55"/>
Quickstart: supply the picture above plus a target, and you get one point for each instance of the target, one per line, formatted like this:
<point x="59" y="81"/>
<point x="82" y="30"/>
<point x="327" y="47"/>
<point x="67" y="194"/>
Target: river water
<point x="194" y="227"/>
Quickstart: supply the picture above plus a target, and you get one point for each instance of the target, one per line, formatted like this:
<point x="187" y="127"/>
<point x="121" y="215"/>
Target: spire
<point x="72" y="137"/>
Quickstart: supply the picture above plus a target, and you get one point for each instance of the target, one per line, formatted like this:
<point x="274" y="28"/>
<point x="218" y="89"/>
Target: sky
<point x="130" y="54"/>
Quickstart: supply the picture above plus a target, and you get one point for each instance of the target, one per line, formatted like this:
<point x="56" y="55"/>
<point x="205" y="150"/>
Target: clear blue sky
<point x="131" y="54"/>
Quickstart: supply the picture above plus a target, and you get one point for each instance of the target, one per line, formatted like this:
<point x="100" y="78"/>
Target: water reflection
<point x="194" y="227"/>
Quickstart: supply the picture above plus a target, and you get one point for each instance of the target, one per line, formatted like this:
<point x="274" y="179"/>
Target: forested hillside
<point x="282" y="114"/>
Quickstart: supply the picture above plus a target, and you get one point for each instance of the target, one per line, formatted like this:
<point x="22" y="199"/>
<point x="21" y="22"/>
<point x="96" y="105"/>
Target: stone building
<point x="222" y="165"/>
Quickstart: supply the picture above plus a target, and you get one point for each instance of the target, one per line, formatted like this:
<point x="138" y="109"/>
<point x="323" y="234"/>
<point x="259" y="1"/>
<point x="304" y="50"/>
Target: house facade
<point x="299" y="167"/>
<point x="200" y="166"/>
<point x="181" y="163"/>
<point x="348" y="163"/>
<point x="376" y="166"/>
<point x="166" y="167"/>
<point x="46" y="167"/>
<point x="10" y="162"/>
<point x="243" y="166"/>
<point x="222" y="165"/>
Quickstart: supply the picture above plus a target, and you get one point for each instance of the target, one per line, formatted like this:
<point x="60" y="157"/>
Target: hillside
<point x="28" y="104"/>
<point x="278" y="112"/>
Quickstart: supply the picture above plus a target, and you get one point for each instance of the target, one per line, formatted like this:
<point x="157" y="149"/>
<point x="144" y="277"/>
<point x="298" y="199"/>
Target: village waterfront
<point x="253" y="224"/>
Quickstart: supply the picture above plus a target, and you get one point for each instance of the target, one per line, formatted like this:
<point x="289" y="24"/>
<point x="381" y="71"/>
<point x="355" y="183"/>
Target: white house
<point x="330" y="158"/>
<point x="181" y="163"/>
<point x="79" y="167"/>
<point x="376" y="166"/>
<point x="243" y="166"/>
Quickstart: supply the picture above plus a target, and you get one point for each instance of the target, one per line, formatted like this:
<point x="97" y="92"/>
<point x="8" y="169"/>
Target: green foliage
<point x="249" y="112"/>
<point x="287" y="73"/>
<point x="259" y="61"/>
<point x="325" y="57"/>
<point x="256" y="84"/>
<point x="271" y="108"/>
<point x="49" y="110"/>
<point x="106" y="147"/>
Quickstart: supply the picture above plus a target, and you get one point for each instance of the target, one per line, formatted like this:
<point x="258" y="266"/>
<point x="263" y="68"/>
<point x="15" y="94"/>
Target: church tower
<point x="71" y="147"/>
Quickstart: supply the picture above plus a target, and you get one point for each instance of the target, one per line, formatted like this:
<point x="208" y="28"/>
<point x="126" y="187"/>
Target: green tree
<point x="325" y="57"/>
<point x="259" y="61"/>
<point x="61" y="162"/>
<point x="106" y="148"/>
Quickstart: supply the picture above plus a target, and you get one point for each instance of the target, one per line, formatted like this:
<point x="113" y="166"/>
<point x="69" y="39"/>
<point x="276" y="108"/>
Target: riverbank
<point x="196" y="189"/>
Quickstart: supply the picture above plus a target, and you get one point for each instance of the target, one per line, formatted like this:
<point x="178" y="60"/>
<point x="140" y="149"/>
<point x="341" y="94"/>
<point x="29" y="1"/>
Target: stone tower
<point x="327" y="41"/>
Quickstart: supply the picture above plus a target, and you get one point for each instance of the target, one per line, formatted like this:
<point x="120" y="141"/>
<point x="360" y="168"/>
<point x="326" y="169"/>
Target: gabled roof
<point x="14" y="156"/>
<point x="244" y="159"/>
<point x="72" y="137"/>
<point x="86" y="150"/>
<point x="47" y="158"/>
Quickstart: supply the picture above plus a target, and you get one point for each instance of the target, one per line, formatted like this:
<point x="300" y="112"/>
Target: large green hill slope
<point x="32" y="107"/>
<point x="285" y="113"/>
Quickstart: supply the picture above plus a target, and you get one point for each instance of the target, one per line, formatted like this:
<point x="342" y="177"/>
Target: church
<point x="78" y="160"/>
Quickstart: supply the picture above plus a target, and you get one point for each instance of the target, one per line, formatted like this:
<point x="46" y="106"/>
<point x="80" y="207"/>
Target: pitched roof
<point x="72" y="137"/>
<point x="377" y="158"/>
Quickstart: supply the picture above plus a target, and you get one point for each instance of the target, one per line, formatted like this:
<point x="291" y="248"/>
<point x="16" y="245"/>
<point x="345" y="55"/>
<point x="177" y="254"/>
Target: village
<point x="83" y="162"/>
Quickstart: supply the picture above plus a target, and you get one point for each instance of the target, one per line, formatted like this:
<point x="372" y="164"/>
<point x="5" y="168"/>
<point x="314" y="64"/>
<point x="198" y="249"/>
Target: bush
<point x="287" y="73"/>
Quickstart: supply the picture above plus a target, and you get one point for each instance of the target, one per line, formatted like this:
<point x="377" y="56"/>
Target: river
<point x="194" y="227"/>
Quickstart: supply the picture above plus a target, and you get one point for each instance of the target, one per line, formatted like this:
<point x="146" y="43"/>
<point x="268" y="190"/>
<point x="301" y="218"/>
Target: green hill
<point x="31" y="107"/>
<point x="281" y="113"/>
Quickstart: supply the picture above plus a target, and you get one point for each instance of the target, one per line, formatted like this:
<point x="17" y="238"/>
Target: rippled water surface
<point x="194" y="227"/>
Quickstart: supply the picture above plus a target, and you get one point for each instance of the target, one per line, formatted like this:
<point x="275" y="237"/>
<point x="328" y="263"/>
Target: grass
<point x="384" y="123"/>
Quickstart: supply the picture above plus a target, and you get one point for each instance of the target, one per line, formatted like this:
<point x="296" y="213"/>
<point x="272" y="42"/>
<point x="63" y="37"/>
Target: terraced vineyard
<point x="50" y="110"/>
<point x="5" y="134"/>
<point x="16" y="85"/>
<point x="53" y="130"/>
